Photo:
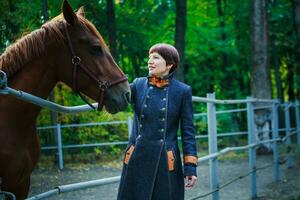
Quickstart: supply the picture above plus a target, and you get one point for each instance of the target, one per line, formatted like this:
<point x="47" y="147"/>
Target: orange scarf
<point x="158" y="82"/>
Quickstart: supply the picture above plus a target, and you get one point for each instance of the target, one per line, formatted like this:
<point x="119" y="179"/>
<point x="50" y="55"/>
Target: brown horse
<point x="35" y="64"/>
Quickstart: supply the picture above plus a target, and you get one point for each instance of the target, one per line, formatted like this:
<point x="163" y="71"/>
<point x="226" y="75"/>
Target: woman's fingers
<point x="190" y="181"/>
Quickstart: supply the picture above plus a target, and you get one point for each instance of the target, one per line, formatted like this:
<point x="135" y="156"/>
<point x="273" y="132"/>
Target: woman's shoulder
<point x="139" y="79"/>
<point x="139" y="83"/>
<point x="181" y="85"/>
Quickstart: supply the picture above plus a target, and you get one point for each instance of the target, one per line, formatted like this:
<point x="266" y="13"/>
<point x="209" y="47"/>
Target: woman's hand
<point x="190" y="181"/>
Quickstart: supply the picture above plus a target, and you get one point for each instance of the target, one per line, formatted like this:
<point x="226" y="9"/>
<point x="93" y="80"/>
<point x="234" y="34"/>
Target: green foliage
<point x="139" y="25"/>
<point x="285" y="41"/>
<point x="150" y="22"/>
<point x="85" y="135"/>
<point x="204" y="50"/>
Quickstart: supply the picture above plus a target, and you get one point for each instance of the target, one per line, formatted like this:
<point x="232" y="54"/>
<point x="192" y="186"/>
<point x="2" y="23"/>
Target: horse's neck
<point x="37" y="78"/>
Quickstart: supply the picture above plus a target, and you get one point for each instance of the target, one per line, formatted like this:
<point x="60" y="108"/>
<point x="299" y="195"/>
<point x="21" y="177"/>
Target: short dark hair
<point x="168" y="52"/>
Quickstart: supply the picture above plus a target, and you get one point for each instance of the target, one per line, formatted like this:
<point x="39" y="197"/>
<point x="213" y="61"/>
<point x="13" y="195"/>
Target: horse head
<point x="85" y="63"/>
<point x="69" y="49"/>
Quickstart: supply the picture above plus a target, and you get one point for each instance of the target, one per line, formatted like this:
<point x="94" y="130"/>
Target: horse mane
<point x="34" y="44"/>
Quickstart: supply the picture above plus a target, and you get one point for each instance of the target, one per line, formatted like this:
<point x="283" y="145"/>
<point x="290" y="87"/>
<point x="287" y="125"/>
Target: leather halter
<point x="76" y="62"/>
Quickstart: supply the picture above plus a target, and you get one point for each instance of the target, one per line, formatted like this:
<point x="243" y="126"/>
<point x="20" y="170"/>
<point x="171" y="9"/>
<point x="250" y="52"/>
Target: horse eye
<point x="97" y="50"/>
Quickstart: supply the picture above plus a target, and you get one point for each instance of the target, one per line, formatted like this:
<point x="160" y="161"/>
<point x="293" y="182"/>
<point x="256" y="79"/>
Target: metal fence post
<point x="59" y="147"/>
<point x="297" y="124"/>
<point x="287" y="132"/>
<point x="129" y="122"/>
<point x="275" y="135"/>
<point x="252" y="150"/>
<point x="213" y="146"/>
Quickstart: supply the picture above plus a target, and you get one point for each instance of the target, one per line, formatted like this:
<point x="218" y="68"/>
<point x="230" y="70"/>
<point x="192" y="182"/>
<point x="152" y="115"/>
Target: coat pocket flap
<point x="128" y="154"/>
<point x="170" y="160"/>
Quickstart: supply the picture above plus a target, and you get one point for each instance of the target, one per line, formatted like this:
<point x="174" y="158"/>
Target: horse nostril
<point x="127" y="96"/>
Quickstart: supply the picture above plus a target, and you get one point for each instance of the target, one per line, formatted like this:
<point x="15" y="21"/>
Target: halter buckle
<point x="103" y="85"/>
<point x="76" y="60"/>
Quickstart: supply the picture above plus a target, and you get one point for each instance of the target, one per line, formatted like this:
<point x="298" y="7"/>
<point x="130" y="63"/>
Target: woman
<point x="152" y="165"/>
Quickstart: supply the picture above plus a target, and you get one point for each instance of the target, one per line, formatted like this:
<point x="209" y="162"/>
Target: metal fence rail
<point x="4" y="195"/>
<point x="76" y="186"/>
<point x="4" y="90"/>
<point x="212" y="137"/>
<point x="59" y="146"/>
<point x="213" y="149"/>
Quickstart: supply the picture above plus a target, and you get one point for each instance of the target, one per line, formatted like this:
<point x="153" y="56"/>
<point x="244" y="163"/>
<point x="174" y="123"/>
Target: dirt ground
<point x="286" y="189"/>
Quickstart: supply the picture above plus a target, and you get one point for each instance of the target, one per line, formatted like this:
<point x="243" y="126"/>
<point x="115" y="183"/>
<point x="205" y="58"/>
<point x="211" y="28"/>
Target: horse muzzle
<point x="117" y="103"/>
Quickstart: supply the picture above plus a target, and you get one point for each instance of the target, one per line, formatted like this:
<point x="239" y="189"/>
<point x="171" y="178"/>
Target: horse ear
<point x="68" y="13"/>
<point x="81" y="11"/>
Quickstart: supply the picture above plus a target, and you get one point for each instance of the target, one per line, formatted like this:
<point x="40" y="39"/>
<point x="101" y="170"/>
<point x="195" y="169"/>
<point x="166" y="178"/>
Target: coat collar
<point x="169" y="76"/>
<point x="160" y="82"/>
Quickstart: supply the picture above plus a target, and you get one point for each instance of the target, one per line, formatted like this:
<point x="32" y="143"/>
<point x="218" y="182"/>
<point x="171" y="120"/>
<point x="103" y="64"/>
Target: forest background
<point x="216" y="39"/>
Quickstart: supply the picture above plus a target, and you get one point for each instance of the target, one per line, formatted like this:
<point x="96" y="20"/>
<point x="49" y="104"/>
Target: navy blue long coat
<point x="152" y="168"/>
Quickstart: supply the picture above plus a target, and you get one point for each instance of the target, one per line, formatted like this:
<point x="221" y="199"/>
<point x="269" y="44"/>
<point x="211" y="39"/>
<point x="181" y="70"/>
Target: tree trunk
<point x="296" y="17"/>
<point x="241" y="81"/>
<point x="227" y="88"/>
<point x="221" y="14"/>
<point x="180" y="29"/>
<point x="45" y="10"/>
<point x="277" y="73"/>
<point x="11" y="24"/>
<point x="135" y="66"/>
<point x="111" y="28"/>
<point x="290" y="77"/>
<point x="260" y="73"/>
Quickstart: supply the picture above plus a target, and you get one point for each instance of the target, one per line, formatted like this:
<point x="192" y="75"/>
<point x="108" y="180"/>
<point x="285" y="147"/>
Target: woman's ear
<point x="169" y="66"/>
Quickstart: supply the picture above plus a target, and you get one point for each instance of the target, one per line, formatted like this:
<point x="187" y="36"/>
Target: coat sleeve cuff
<point x="190" y="170"/>
<point x="189" y="159"/>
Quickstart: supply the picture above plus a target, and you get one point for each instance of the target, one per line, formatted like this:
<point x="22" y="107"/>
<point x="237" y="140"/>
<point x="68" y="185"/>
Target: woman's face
<point x="157" y="65"/>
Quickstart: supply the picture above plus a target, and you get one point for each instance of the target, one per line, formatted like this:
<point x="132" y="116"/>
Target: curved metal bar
<point x="4" y="89"/>
<point x="8" y="194"/>
<point x="75" y="186"/>
<point x="44" y="195"/>
<point x="3" y="82"/>
<point x="48" y="104"/>
<point x="88" y="184"/>
<point x="76" y="109"/>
